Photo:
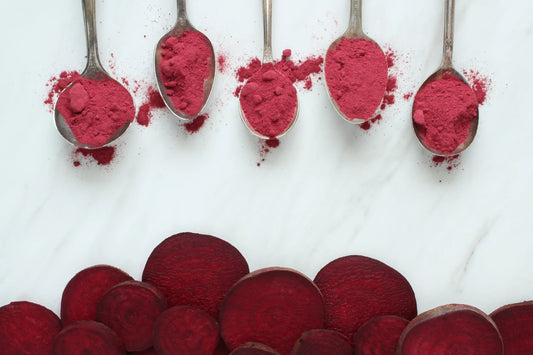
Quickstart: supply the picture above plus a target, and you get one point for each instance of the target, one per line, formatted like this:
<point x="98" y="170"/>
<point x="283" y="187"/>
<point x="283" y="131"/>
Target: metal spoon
<point x="93" y="71"/>
<point x="182" y="25"/>
<point x="447" y="68"/>
<point x="268" y="58"/>
<point x="354" y="31"/>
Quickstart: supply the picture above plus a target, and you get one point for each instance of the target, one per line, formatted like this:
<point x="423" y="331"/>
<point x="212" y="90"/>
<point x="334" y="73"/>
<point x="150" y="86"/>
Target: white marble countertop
<point x="329" y="190"/>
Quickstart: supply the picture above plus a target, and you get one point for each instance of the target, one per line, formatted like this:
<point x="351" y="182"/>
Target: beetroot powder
<point x="184" y="69"/>
<point x="57" y="85"/>
<point x="103" y="156"/>
<point x="268" y="101"/>
<point x="195" y="125"/>
<point x="356" y="75"/>
<point x="444" y="110"/>
<point x="152" y="101"/>
<point x="95" y="110"/>
<point x="222" y="63"/>
<point x="479" y="83"/>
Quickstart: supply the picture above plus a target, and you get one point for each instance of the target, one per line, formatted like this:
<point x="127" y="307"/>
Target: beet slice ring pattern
<point x="451" y="329"/>
<point x="379" y="336"/>
<point x="186" y="331"/>
<point x="322" y="342"/>
<point x="85" y="289"/>
<point x="515" y="323"/>
<point x="271" y="306"/>
<point x="130" y="309"/>
<point x="195" y="270"/>
<point x="357" y="288"/>
<point x="254" y="349"/>
<point x="88" y="338"/>
<point x="27" y="328"/>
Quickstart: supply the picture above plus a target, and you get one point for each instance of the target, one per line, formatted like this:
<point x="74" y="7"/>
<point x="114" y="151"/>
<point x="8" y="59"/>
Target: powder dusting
<point x="266" y="146"/>
<point x="449" y="162"/>
<point x="222" y="63"/>
<point x="57" y="84"/>
<point x="195" y="125"/>
<point x="153" y="100"/>
<point x="102" y="156"/>
<point x="479" y="83"/>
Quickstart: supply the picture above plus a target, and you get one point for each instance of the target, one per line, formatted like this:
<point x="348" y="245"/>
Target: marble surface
<point x="329" y="190"/>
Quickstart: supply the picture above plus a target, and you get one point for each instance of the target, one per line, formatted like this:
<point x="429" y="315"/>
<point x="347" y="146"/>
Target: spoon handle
<point x="182" y="13"/>
<point x="355" y="27"/>
<point x="449" y="21"/>
<point x="89" y="16"/>
<point x="267" y="28"/>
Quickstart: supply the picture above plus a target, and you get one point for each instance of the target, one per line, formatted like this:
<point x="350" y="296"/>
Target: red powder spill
<point x="237" y="91"/>
<point x="479" y="83"/>
<point x="222" y="64"/>
<point x="57" y="84"/>
<point x="368" y="124"/>
<point x="444" y="110"/>
<point x="266" y="147"/>
<point x="286" y="54"/>
<point x="408" y="96"/>
<point x="272" y="143"/>
<point x="268" y="101"/>
<point x="184" y="69"/>
<point x="300" y="71"/>
<point x="356" y="75"/>
<point x="195" y="125"/>
<point x="450" y="162"/>
<point x="103" y="156"/>
<point x="153" y="101"/>
<point x="246" y="72"/>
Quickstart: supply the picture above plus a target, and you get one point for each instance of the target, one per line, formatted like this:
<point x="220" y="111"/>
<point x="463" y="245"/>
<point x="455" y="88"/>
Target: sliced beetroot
<point x="88" y="338"/>
<point x="254" y="349"/>
<point x="85" y="289"/>
<point x="322" y="342"/>
<point x="515" y="323"/>
<point x="27" y="329"/>
<point x="357" y="288"/>
<point x="379" y="336"/>
<point x="185" y="330"/>
<point x="130" y="309"/>
<point x="195" y="270"/>
<point x="451" y="329"/>
<point x="271" y="306"/>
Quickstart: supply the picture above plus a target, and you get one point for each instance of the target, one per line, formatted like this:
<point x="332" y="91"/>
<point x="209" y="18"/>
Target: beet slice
<point x="185" y="330"/>
<point x="515" y="323"/>
<point x="322" y="342"/>
<point x="85" y="289"/>
<point x="271" y="306"/>
<point x="27" y="329"/>
<point x="379" y="336"/>
<point x="357" y="288"/>
<point x="130" y="309"/>
<point x="254" y="349"/>
<point x="88" y="338"/>
<point x="195" y="270"/>
<point x="451" y="329"/>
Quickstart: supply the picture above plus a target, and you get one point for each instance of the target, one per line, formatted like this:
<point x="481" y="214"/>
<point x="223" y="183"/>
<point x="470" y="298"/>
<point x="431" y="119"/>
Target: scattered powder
<point x="266" y="146"/>
<point x="408" y="96"/>
<point x="222" y="63"/>
<point x="152" y="101"/>
<point x="479" y="83"/>
<point x="286" y="54"/>
<point x="246" y="72"/>
<point x="195" y="125"/>
<point x="102" y="156"/>
<point x="56" y="85"/>
<point x="449" y="162"/>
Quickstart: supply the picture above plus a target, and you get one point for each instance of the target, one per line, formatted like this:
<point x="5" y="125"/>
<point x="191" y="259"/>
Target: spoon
<point x="268" y="59"/>
<point x="182" y="25"/>
<point x="354" y="31"/>
<point x="447" y="68"/>
<point x="93" y="71"/>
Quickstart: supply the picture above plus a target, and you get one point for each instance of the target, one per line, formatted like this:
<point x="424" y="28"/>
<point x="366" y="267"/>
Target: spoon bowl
<point x="182" y="25"/>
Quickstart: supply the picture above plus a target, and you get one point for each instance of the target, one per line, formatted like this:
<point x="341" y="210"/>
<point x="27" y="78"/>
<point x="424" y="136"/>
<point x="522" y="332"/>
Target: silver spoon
<point x="447" y="68"/>
<point x="182" y="25"/>
<point x="268" y="58"/>
<point x="93" y="71"/>
<point x="354" y="31"/>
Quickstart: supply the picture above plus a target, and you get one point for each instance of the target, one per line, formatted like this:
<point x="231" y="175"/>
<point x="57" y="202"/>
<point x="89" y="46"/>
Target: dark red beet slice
<point x="27" y="329"/>
<point x="322" y="342"/>
<point x="88" y="338"/>
<point x="271" y="306"/>
<point x="195" y="270"/>
<point x="451" y="329"/>
<point x="379" y="336"/>
<point x="515" y="323"/>
<point x="130" y="309"/>
<point x="85" y="289"/>
<point x="185" y="330"/>
<point x="254" y="349"/>
<point x="357" y="288"/>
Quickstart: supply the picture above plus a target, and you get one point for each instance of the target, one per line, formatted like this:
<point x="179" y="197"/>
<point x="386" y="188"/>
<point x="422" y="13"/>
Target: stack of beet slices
<point x="198" y="297"/>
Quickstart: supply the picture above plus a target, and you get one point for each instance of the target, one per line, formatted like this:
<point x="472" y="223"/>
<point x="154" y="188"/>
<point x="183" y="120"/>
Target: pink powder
<point x="301" y="71"/>
<point x="246" y="72"/>
<point x="479" y="83"/>
<point x="102" y="156"/>
<point x="57" y="84"/>
<point x="266" y="147"/>
<point x="196" y="124"/>
<point x="449" y="162"/>
<point x="408" y="96"/>
<point x="286" y="53"/>
<point x="152" y="101"/>
<point x="222" y="64"/>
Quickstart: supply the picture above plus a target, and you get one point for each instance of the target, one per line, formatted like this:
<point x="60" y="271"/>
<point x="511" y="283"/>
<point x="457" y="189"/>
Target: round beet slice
<point x="185" y="330"/>
<point x="254" y="349"/>
<point x="195" y="270"/>
<point x="130" y="309"/>
<point x="27" y="329"/>
<point x="88" y="338"/>
<point x="515" y="323"/>
<point x="357" y="288"/>
<point x="322" y="342"/>
<point x="85" y="289"/>
<point x="379" y="336"/>
<point x="271" y="306"/>
<point x="451" y="329"/>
